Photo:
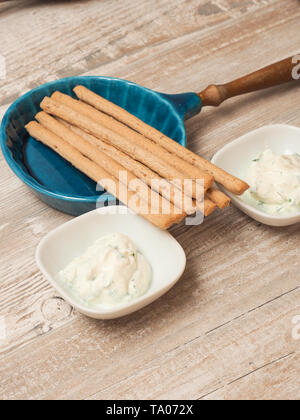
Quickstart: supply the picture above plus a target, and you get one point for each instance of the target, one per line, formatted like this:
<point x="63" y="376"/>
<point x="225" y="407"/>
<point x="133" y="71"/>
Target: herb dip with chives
<point x="275" y="183"/>
<point x="111" y="271"/>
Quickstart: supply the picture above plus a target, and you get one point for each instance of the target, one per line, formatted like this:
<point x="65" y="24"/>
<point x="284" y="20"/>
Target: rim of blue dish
<point x="34" y="184"/>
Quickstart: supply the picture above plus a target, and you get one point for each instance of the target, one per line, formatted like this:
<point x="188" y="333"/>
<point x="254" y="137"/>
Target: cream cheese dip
<point x="275" y="183"/>
<point x="110" y="272"/>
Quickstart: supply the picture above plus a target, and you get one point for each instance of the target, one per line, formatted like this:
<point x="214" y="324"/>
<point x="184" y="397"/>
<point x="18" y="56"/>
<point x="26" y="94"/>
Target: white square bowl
<point x="70" y="240"/>
<point x="237" y="156"/>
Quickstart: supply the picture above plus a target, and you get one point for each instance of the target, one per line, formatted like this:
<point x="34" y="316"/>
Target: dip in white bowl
<point x="237" y="156"/>
<point x="274" y="183"/>
<point x="109" y="272"/>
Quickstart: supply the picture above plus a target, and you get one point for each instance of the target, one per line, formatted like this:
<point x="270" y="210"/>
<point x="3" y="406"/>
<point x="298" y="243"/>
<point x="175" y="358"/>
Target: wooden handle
<point x="273" y="75"/>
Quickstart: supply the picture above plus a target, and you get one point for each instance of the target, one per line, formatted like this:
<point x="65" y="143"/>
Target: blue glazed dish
<point x="53" y="179"/>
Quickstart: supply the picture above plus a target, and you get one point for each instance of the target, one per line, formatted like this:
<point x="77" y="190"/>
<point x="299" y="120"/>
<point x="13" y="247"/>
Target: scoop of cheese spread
<point x="275" y="183"/>
<point x="111" y="271"/>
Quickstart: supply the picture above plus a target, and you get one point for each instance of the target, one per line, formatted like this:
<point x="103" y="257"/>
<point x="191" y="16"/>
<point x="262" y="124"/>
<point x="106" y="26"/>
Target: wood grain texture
<point x="225" y="330"/>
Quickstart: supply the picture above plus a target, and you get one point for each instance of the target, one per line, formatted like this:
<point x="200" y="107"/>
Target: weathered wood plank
<point x="234" y="351"/>
<point x="277" y="380"/>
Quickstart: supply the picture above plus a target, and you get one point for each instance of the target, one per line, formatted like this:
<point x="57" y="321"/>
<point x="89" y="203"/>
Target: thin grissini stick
<point x="169" y="191"/>
<point x="190" y="171"/>
<point x="106" y="162"/>
<point x="233" y="184"/>
<point x="95" y="172"/>
<point x="155" y="162"/>
<point x="165" y="188"/>
<point x="218" y="197"/>
<point x="177" y="199"/>
<point x="209" y="207"/>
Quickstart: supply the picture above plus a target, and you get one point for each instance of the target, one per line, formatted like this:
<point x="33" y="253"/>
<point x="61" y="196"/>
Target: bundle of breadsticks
<point x="103" y="140"/>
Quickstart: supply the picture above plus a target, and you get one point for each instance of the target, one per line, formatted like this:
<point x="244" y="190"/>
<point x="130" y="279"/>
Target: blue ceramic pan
<point x="58" y="183"/>
<point x="53" y="179"/>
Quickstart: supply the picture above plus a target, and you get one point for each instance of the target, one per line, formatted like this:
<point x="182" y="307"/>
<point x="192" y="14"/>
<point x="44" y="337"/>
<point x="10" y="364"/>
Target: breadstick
<point x="107" y="163"/>
<point x="166" y="189"/>
<point x="155" y="162"/>
<point x="190" y="171"/>
<point x="147" y="175"/>
<point x="230" y="182"/>
<point x="209" y="207"/>
<point x="95" y="172"/>
<point x="218" y="197"/>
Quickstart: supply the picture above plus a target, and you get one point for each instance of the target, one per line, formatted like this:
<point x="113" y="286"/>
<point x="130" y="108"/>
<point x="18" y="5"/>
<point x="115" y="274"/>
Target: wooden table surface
<point x="226" y="330"/>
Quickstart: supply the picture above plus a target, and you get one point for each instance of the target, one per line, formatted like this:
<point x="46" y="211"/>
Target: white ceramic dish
<point x="70" y="240"/>
<point x="237" y="156"/>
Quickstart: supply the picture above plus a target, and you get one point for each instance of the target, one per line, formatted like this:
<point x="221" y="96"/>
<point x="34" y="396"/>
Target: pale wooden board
<point x="280" y="378"/>
<point x="225" y="331"/>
